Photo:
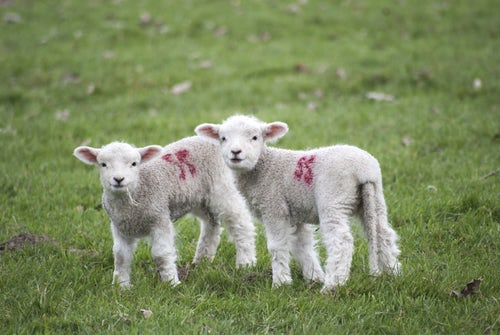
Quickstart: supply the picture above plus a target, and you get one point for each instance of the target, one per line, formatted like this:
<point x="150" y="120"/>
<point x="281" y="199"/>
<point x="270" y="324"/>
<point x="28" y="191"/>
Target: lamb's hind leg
<point x="339" y="243"/>
<point x="209" y="238"/>
<point x="387" y="239"/>
<point x="303" y="251"/>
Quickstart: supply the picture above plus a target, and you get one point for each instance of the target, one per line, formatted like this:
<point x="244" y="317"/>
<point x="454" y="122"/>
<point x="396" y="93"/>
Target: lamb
<point x="287" y="189"/>
<point x="145" y="189"/>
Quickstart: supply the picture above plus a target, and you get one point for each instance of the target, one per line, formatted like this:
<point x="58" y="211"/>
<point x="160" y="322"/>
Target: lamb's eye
<point x="134" y="164"/>
<point x="103" y="165"/>
<point x="223" y="138"/>
<point x="255" y="138"/>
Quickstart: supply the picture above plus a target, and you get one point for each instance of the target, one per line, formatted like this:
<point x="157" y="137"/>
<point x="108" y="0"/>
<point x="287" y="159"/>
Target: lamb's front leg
<point x="242" y="231"/>
<point x="278" y="239"/>
<point x="123" y="252"/>
<point x="163" y="251"/>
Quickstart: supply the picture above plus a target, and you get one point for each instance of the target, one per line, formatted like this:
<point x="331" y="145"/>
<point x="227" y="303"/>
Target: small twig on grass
<point x="491" y="174"/>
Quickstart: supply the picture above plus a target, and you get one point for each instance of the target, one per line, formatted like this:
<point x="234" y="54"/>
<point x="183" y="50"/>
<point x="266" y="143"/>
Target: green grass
<point x="74" y="72"/>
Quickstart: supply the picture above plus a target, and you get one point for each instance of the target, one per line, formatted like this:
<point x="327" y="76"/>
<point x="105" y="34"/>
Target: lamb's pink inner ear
<point x="150" y="152"/>
<point x="86" y="154"/>
<point x="208" y="130"/>
<point x="275" y="130"/>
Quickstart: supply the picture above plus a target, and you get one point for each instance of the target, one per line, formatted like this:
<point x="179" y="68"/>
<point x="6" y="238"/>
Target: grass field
<point x="75" y="72"/>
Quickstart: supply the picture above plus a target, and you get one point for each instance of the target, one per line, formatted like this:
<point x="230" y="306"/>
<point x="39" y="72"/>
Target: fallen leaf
<point x="181" y="88"/>
<point x="341" y="73"/>
<point x="90" y="88"/>
<point x="293" y="8"/>
<point x="146" y="313"/>
<point x="5" y="3"/>
<point x="62" y="115"/>
<point x="265" y="36"/>
<point x="377" y="96"/>
<point x="220" y="31"/>
<point x="406" y="140"/>
<point x="8" y="130"/>
<point x="301" y="68"/>
<point x="311" y="106"/>
<point x="205" y="64"/>
<point x="477" y="84"/>
<point x="205" y="329"/>
<point x="318" y="93"/>
<point x="470" y="288"/>
<point x="145" y="19"/>
<point x="70" y="78"/>
<point x="108" y="54"/>
<point x="432" y="188"/>
<point x="12" y="18"/>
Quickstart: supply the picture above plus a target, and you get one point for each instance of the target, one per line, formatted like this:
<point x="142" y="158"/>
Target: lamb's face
<point x="242" y="139"/>
<point x="119" y="167"/>
<point x="241" y="144"/>
<point x="118" y="163"/>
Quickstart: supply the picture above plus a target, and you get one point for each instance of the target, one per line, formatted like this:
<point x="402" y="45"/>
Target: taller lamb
<point x="287" y="189"/>
<point x="145" y="189"/>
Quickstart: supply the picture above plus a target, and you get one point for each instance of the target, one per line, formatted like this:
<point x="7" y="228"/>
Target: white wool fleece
<point x="287" y="189"/>
<point x="145" y="189"/>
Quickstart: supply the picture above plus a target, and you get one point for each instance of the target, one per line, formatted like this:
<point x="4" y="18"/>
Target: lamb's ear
<point x="149" y="152"/>
<point x="273" y="131"/>
<point x="208" y="130"/>
<point x="87" y="155"/>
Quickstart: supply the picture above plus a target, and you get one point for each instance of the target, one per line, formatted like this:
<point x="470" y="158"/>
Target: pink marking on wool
<point x="180" y="162"/>
<point x="304" y="169"/>
<point x="182" y="157"/>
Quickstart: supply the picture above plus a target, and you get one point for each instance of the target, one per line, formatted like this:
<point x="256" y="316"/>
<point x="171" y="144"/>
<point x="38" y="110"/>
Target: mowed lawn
<point x="415" y="83"/>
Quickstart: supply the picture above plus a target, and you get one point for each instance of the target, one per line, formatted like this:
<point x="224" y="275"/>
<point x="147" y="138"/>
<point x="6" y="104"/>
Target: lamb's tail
<point x="370" y="223"/>
<point x="382" y="239"/>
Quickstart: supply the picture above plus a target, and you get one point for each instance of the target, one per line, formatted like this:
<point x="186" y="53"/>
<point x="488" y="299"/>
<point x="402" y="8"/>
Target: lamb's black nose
<point x="236" y="152"/>
<point x="118" y="180"/>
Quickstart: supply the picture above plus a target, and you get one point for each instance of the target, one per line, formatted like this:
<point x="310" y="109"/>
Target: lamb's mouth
<point x="118" y="186"/>
<point x="236" y="160"/>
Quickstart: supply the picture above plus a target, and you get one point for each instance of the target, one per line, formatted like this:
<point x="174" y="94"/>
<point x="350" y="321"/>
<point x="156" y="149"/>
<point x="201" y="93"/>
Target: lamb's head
<point x="242" y="139"/>
<point x="118" y="163"/>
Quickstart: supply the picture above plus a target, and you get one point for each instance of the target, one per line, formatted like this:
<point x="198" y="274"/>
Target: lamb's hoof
<point x="246" y="264"/>
<point x="327" y="290"/>
<point x="315" y="279"/>
<point x="283" y="282"/>
<point x="123" y="285"/>
<point x="173" y="281"/>
<point x="395" y="270"/>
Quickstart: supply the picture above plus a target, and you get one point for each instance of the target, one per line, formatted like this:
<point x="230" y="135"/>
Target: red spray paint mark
<point x="181" y="162"/>
<point x="304" y="169"/>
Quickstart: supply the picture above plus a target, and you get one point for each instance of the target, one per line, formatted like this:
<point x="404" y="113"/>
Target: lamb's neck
<point x="119" y="199"/>
<point x="251" y="178"/>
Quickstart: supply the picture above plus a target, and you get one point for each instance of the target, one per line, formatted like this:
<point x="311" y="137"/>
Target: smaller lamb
<point x="287" y="189"/>
<point x="145" y="189"/>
